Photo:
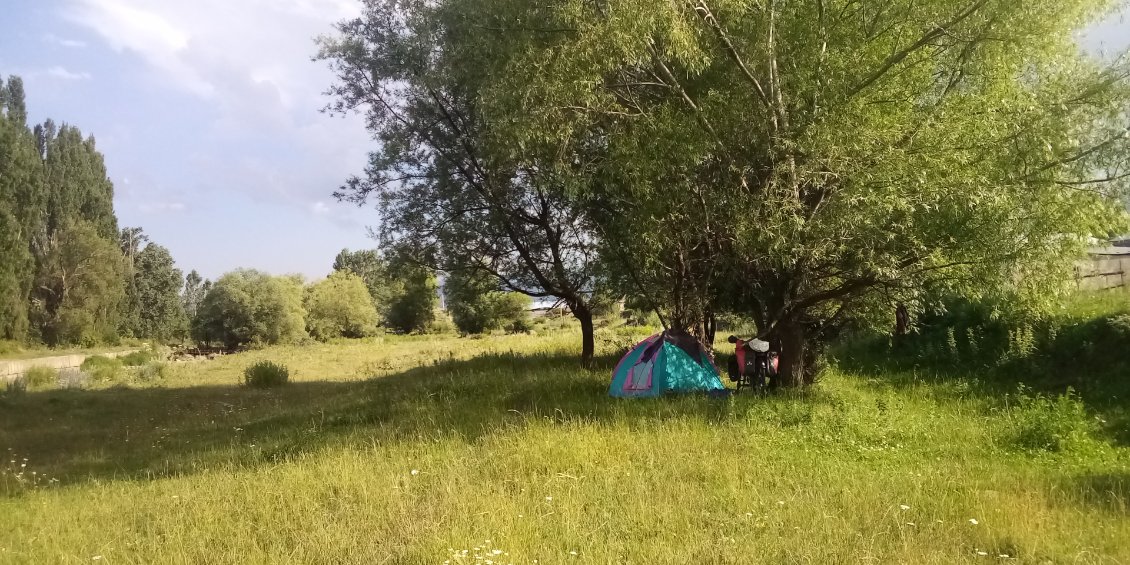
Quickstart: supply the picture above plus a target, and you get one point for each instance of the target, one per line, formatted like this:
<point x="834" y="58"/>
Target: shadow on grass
<point x="1110" y="491"/>
<point x="1104" y="389"/>
<point x="138" y="433"/>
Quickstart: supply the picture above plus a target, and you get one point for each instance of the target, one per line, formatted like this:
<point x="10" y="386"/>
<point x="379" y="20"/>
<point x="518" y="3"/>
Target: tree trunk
<point x="792" y="341"/>
<point x="710" y="326"/>
<point x="588" y="343"/>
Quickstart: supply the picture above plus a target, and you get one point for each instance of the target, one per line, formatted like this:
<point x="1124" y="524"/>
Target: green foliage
<point x="40" y="377"/>
<point x="340" y="306"/>
<point x="22" y="207"/>
<point x="476" y="305"/>
<point x="103" y="369"/>
<point x="78" y="187"/>
<point x="520" y="325"/>
<point x="62" y="279"/>
<point x="414" y="307"/>
<point x="453" y="194"/>
<point x="266" y="374"/>
<point x="1089" y="331"/>
<point x="799" y="163"/>
<point x="604" y="304"/>
<point x="138" y="358"/>
<point x="79" y="287"/>
<point x="154" y="289"/>
<point x="195" y="288"/>
<point x="247" y="307"/>
<point x="442" y="324"/>
<point x="374" y="271"/>
<point x="152" y="371"/>
<point x="1041" y="423"/>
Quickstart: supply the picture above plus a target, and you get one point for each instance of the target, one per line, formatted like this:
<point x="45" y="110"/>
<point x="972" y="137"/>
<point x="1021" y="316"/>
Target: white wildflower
<point x="415" y="472"/>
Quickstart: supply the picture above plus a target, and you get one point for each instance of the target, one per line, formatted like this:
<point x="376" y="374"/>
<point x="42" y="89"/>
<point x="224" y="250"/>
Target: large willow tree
<point x="821" y="160"/>
<point x="454" y="195"/>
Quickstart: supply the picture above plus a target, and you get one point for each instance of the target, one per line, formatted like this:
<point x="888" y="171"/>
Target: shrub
<point x="247" y="306"/>
<point x="1043" y="423"/>
<point x="266" y="374"/>
<point x="151" y="371"/>
<point x="138" y="358"/>
<point x="41" y="377"/>
<point x="520" y="326"/>
<point x="442" y="324"/>
<point x="477" y="306"/>
<point x="340" y="306"/>
<point x="102" y="368"/>
<point x="413" y="306"/>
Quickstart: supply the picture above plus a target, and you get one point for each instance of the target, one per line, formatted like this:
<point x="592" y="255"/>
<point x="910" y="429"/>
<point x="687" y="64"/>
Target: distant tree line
<point x="365" y="293"/>
<point x="68" y="274"/>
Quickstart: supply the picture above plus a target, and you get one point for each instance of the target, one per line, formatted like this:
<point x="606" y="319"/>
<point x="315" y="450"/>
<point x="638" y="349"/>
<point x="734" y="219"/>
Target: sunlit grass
<point x="414" y="450"/>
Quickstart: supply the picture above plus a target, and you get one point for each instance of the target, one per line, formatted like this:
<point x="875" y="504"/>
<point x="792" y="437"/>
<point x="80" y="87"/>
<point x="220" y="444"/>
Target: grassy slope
<point x="441" y="452"/>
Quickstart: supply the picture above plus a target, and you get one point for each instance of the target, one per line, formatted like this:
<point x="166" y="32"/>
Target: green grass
<point x="412" y="450"/>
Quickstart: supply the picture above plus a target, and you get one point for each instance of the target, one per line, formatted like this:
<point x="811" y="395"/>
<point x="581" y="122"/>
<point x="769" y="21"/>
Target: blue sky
<point x="207" y="113"/>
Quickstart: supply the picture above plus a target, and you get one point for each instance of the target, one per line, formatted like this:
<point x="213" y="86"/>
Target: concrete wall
<point x="12" y="369"/>
<point x="1105" y="268"/>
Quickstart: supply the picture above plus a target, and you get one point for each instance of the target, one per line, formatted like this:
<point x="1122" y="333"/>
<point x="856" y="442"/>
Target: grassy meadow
<point x="501" y="450"/>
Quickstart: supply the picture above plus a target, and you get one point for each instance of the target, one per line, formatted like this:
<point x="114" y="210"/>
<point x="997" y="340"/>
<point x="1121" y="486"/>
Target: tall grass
<point x="423" y="450"/>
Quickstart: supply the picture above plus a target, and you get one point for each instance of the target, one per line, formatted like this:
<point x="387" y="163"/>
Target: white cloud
<point x="127" y="26"/>
<point x="62" y="41"/>
<point x="63" y="74"/>
<point x="248" y="64"/>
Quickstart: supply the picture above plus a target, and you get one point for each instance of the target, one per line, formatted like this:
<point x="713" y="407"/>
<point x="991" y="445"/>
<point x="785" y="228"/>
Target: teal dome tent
<point x="671" y="361"/>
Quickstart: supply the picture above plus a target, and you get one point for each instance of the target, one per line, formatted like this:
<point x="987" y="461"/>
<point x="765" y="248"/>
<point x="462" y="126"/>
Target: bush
<point x="41" y="377"/>
<point x="442" y="324"/>
<point x="1043" y="423"/>
<point x="266" y="374"/>
<point x="247" y="306"/>
<point x="340" y="306"/>
<point x="477" y="306"/>
<point x="520" y="326"/>
<point x="138" y="358"/>
<point x="413" y="307"/>
<point x="151" y="371"/>
<point x="102" y="368"/>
